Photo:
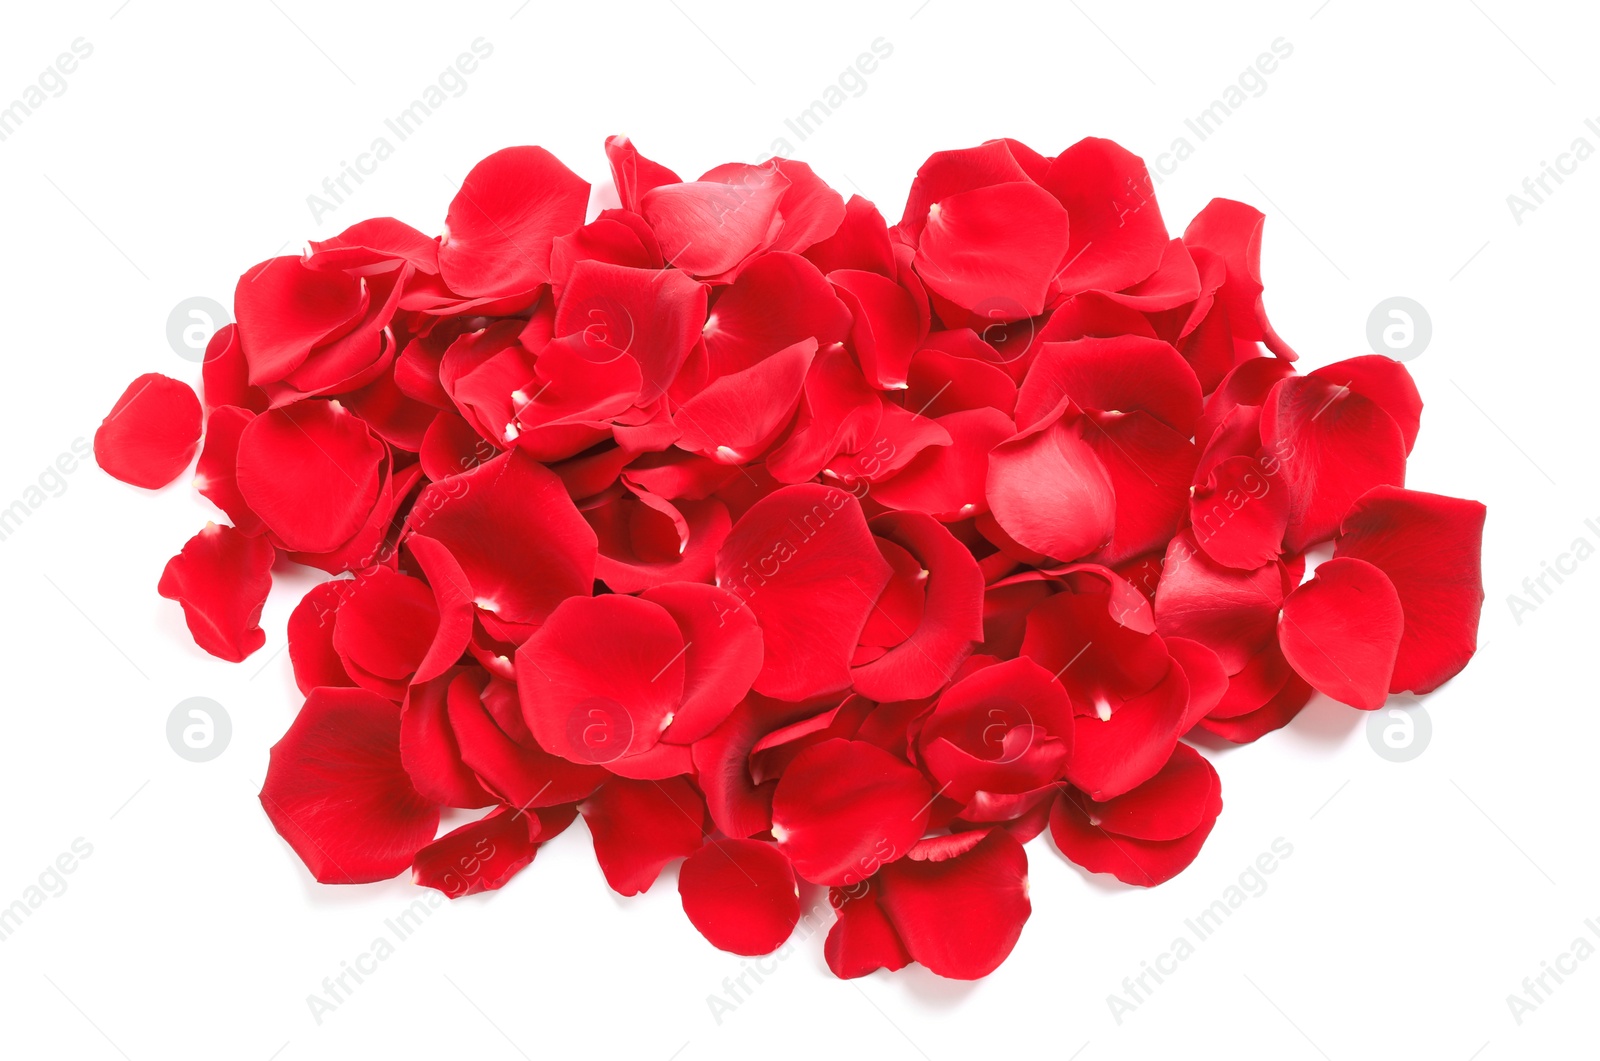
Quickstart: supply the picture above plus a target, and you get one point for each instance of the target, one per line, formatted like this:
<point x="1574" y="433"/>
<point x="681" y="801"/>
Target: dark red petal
<point x="1050" y="493"/>
<point x="337" y="792"/>
<point x="1431" y="548"/>
<point x="640" y="826"/>
<point x="1086" y="832"/>
<point x="1341" y="631"/>
<point x="982" y="888"/>
<point x="741" y="895"/>
<point x="1274" y="714"/>
<point x="502" y="221"/>
<point x="429" y="749"/>
<point x="601" y="678"/>
<point x="1231" y="612"/>
<point x="1332" y="445"/>
<point x="221" y="578"/>
<point x="1208" y="681"/>
<point x="1117" y="233"/>
<point x="479" y="856"/>
<point x="515" y="533"/>
<point x="150" y="435"/>
<point x="800" y="552"/>
<point x="1000" y="244"/>
<point x="844" y="808"/>
<point x="862" y="939"/>
<point x="722" y="657"/>
<point x="311" y="471"/>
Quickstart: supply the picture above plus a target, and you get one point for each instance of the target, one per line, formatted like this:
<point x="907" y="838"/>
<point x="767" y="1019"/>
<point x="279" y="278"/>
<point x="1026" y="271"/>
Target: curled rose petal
<point x="221" y="578"/>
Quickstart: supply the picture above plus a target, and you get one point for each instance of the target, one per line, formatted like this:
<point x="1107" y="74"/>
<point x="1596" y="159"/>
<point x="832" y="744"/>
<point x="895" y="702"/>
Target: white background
<point x="1418" y="896"/>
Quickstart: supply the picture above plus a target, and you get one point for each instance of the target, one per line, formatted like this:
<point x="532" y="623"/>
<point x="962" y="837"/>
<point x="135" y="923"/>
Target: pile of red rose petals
<point x="806" y="549"/>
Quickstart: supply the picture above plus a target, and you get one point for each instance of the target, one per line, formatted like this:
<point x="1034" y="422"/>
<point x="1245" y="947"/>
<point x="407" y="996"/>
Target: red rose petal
<point x="801" y="552"/>
<point x="1332" y="445"/>
<point x="501" y="223"/>
<point x="311" y="471"/>
<point x="741" y="895"/>
<point x="150" y="435"/>
<point x="999" y="244"/>
<point x="979" y="884"/>
<point x="1431" y="548"/>
<point x="843" y="808"/>
<point x="221" y="578"/>
<point x="640" y="826"/>
<point x="1341" y="631"/>
<point x="337" y="792"/>
<point x="515" y="533"/>
<point x="479" y="856"/>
